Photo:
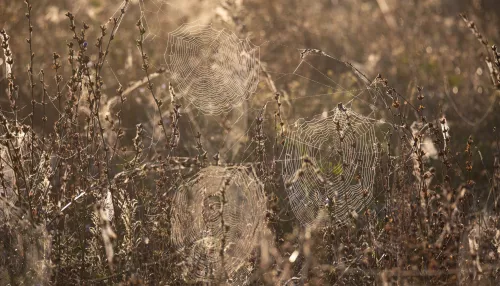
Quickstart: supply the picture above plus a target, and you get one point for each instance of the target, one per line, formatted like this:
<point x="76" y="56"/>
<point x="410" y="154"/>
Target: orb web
<point x="213" y="69"/>
<point x="198" y="217"/>
<point x="342" y="150"/>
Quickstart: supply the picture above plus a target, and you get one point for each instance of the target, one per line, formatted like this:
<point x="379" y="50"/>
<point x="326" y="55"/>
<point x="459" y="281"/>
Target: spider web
<point x="212" y="68"/>
<point x="342" y="150"/>
<point x="201" y="220"/>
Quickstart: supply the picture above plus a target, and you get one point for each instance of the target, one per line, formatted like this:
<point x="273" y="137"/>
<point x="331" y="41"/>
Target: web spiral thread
<point x="342" y="151"/>
<point x="213" y="69"/>
<point x="197" y="228"/>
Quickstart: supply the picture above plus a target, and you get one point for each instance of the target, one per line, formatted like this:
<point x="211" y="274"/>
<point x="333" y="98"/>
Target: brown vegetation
<point x="111" y="174"/>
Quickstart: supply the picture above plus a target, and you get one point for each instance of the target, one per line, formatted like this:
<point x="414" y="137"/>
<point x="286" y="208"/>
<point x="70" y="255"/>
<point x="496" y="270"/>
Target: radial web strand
<point x="201" y="219"/>
<point x="212" y="69"/>
<point x="329" y="164"/>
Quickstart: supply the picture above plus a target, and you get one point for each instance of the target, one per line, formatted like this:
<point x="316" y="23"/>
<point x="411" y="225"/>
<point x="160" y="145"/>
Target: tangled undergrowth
<point x="377" y="190"/>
